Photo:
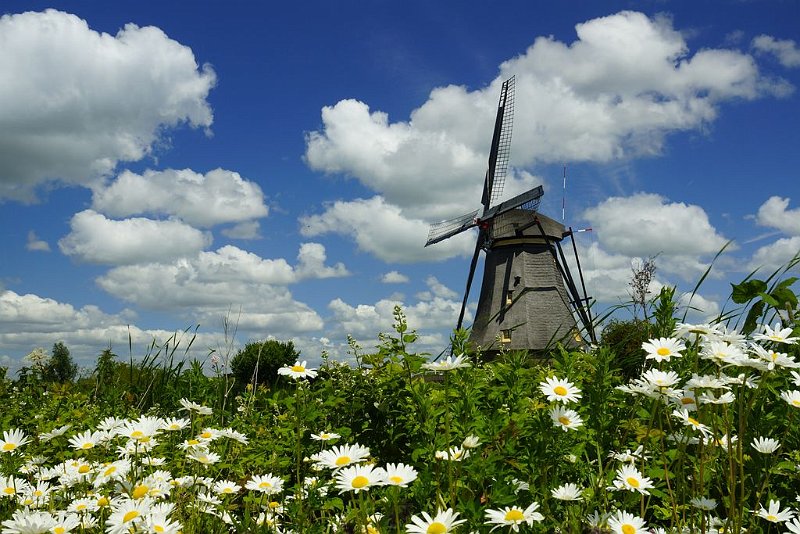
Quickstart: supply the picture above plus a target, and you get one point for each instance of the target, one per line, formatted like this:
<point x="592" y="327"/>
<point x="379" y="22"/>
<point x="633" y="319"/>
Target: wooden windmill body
<point x="528" y="299"/>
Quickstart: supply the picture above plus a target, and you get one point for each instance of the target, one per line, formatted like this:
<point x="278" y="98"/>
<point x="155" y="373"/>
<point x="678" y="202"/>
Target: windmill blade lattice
<point x="503" y="149"/>
<point x="442" y="230"/>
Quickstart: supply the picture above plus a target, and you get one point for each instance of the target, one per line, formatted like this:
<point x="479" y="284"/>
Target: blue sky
<point x="166" y="165"/>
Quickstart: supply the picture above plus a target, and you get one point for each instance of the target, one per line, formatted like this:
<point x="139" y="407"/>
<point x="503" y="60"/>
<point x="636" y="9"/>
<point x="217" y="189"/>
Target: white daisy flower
<point x="12" y="440"/>
<point x="626" y="523"/>
<point x="341" y="456"/>
<point x="513" y="516"/>
<point x="631" y="479"/>
<point x="56" y="432"/>
<point x="357" y="478"/>
<point x="471" y="442"/>
<point x="558" y="390"/>
<point x="443" y="522"/>
<point x="663" y="348"/>
<point x="776" y="335"/>
<point x="454" y="454"/>
<point x="448" y="364"/>
<point x="567" y="492"/>
<point x="688" y="420"/>
<point x="660" y="379"/>
<point x="325" y="436"/>
<point x="194" y="407"/>
<point x="703" y="503"/>
<point x="792" y="397"/>
<point x="297" y="371"/>
<point x="399" y="475"/>
<point x="565" y="419"/>
<point x="226" y="487"/>
<point x="766" y="445"/>
<point x="268" y="484"/>
<point x="774" y="514"/>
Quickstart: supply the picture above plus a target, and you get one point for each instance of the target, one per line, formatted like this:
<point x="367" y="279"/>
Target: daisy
<point x="766" y="445"/>
<point x="268" y="484"/>
<point x="703" y="503"/>
<point x="792" y="397"/>
<point x="774" y="359"/>
<point x="565" y="419"/>
<point x="793" y="525"/>
<point x="685" y="399"/>
<point x="628" y="456"/>
<point x="776" y="335"/>
<point x="194" y="407"/>
<point x="159" y="522"/>
<point x="47" y="436"/>
<point x="560" y="390"/>
<point x="112" y="471"/>
<point x="688" y="420"/>
<point x="12" y="440"/>
<point x="87" y="440"/>
<point x="625" y="523"/>
<point x="127" y="515"/>
<point x="775" y="514"/>
<point x="708" y="331"/>
<point x="663" y="348"/>
<point x="359" y="478"/>
<point x="298" y="370"/>
<point x="173" y="424"/>
<point x="723" y="354"/>
<point x="207" y="435"/>
<point x="513" y="516"/>
<point x="203" y="456"/>
<point x="65" y="522"/>
<point x="399" y="475"/>
<point x="567" y="492"/>
<point x="341" y="456"/>
<point x="629" y="478"/>
<point x="660" y="379"/>
<point x="705" y="381"/>
<point x="454" y="454"/>
<point x="325" y="436"/>
<point x="25" y="521"/>
<point x="226" y="487"/>
<point x="448" y="364"/>
<point x="710" y="398"/>
<point x="443" y="522"/>
<point x="519" y="485"/>
<point x="795" y="378"/>
<point x="471" y="442"/>
<point x="141" y="429"/>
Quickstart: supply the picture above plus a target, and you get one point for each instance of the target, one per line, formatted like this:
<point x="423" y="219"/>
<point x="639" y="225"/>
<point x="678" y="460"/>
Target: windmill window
<point x="509" y="297"/>
<point x="505" y="336"/>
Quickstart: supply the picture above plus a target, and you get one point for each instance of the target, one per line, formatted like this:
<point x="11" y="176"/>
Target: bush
<point x="265" y="356"/>
<point x="625" y="339"/>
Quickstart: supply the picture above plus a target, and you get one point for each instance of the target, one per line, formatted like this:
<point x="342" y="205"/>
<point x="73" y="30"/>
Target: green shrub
<point x="259" y="361"/>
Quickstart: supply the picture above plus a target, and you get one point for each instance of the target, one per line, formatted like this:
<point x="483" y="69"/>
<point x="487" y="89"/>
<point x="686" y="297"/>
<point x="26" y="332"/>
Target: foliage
<point x="493" y="420"/>
<point x="258" y="362"/>
<point x="60" y="368"/>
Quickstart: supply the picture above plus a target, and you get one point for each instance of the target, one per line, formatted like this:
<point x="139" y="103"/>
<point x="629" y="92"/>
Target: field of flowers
<point x="702" y="438"/>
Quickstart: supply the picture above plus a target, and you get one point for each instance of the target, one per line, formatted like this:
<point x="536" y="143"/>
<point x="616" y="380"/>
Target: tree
<point x="60" y="368"/>
<point x="259" y="361"/>
<point x="642" y="274"/>
<point x="105" y="370"/>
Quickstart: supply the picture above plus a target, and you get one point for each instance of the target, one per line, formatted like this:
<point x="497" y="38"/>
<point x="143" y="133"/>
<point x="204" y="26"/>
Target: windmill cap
<point x="508" y="225"/>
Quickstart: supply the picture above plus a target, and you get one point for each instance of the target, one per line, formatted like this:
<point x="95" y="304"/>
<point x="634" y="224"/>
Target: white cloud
<point x="34" y="243"/>
<point x="245" y="230"/>
<point x="381" y="229"/>
<point x="394" y="277"/>
<point x="786" y="50"/>
<point x="29" y="321"/>
<point x="775" y="256"/>
<point x="211" y="283"/>
<point x="202" y="200"/>
<point x="647" y="224"/>
<point x="69" y="111"/>
<point x="96" y="239"/>
<point x="616" y="92"/>
<point x="773" y="213"/>
<point x="699" y="306"/>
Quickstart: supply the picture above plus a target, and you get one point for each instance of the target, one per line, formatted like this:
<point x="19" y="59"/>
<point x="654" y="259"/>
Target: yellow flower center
<point x="140" y="491"/>
<point x="102" y="501"/>
<point x="87" y="445"/>
<point x="633" y="482"/>
<point x="694" y="421"/>
<point x="110" y="471"/>
<point x="564" y="420"/>
<point x="396" y="479"/>
<point x="687" y="400"/>
<point x="159" y="528"/>
<point x="663" y="351"/>
<point x="81" y="507"/>
<point x="796" y="402"/>
<point x="298" y="369"/>
<point x="274" y="504"/>
<point x="206" y="435"/>
<point x="59" y="530"/>
<point x="133" y="514"/>
<point x="9" y="491"/>
<point x="9" y="447"/>
<point x="265" y="485"/>
<point x="560" y="391"/>
<point x="174" y="426"/>
<point x="324" y="435"/>
<point x="628" y="529"/>
<point x="342" y="460"/>
<point x="360" y="482"/>
<point x="436" y="528"/>
<point x="515" y="514"/>
<point x="137" y="434"/>
<point x="83" y="469"/>
<point x="193" y="442"/>
<point x="227" y="490"/>
<point x="38" y="493"/>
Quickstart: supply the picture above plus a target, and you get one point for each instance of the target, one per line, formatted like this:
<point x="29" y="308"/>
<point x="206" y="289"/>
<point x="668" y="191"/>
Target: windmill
<point x="529" y="298"/>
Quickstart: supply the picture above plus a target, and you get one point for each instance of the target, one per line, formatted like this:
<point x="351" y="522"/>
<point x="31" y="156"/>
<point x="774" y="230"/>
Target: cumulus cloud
<point x="647" y="224"/>
<point x="774" y="213"/>
<point x="381" y="229"/>
<point x="96" y="239"/>
<point x="69" y="113"/>
<point x="786" y="50"/>
<point x="311" y="263"/>
<point x="775" y="256"/>
<point x="245" y="230"/>
<point x="394" y="277"/>
<point x="202" y="200"/>
<point x="615" y="92"/>
<point x="29" y="321"/>
<point x="34" y="243"/>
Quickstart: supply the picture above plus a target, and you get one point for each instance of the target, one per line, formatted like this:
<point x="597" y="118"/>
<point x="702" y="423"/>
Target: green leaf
<point x="747" y="291"/>
<point x="752" y="317"/>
